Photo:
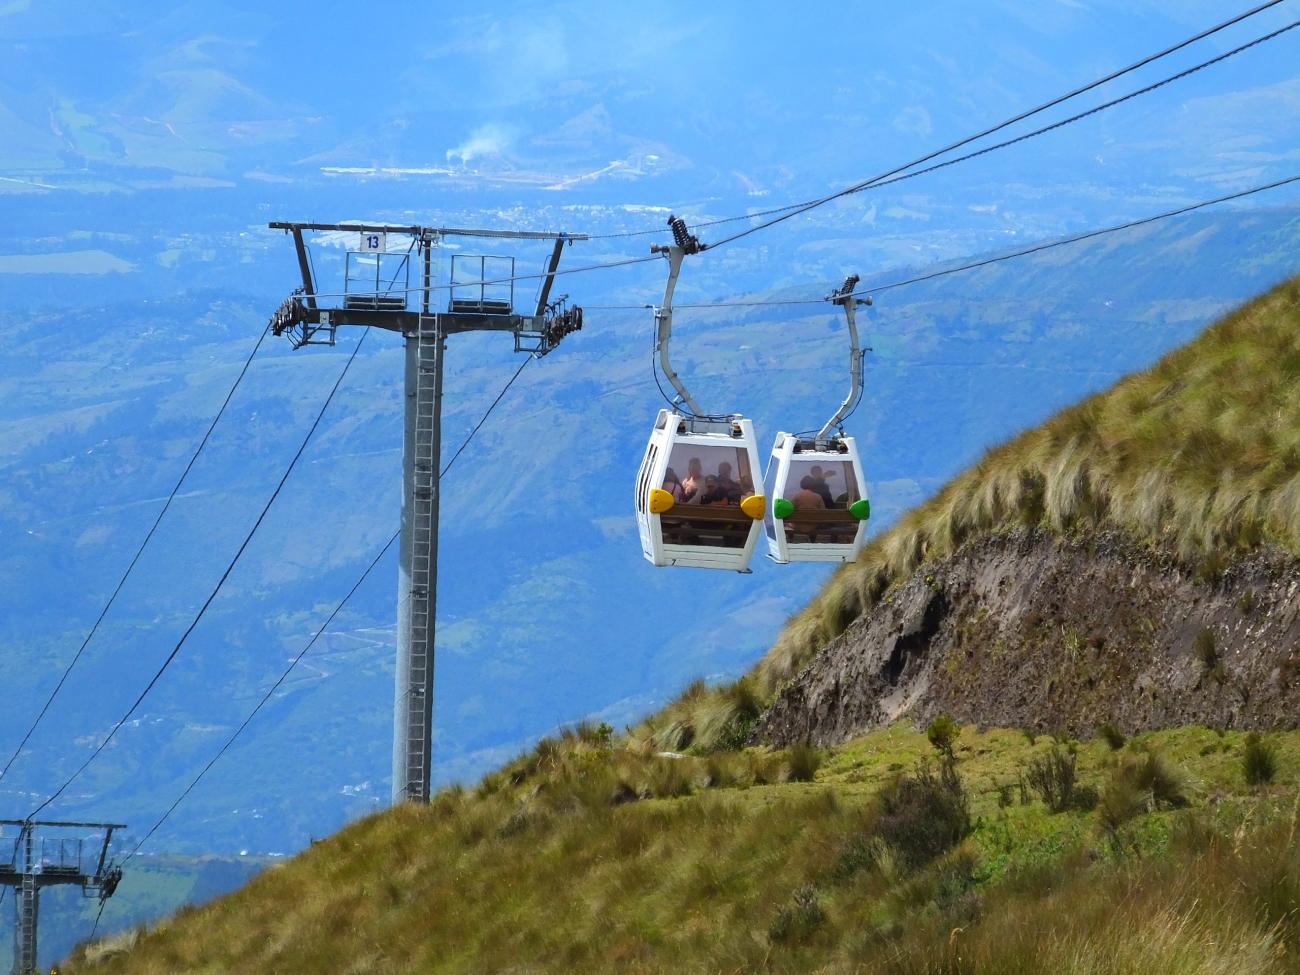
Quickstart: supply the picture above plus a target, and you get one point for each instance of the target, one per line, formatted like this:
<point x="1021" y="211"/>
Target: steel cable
<point x="793" y="209"/>
<point x="297" y="659"/>
<point x="216" y="589"/>
<point x="136" y="558"/>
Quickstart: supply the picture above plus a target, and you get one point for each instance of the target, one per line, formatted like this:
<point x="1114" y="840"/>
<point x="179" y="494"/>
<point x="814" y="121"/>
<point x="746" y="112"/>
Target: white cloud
<point x="65" y="262"/>
<point x="913" y="119"/>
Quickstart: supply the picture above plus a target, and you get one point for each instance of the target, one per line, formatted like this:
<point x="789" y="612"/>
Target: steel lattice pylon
<point x="482" y="302"/>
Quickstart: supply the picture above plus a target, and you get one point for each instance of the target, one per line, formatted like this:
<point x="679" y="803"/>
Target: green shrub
<point x="734" y="735"/>
<point x="943" y="733"/>
<point x="1258" y="760"/>
<point x="1054" y="777"/>
<point x="1205" y="650"/>
<point x="924" y="814"/>
<point x="802" y="763"/>
<point x="795" y="922"/>
<point x="1085" y="797"/>
<point x="1138" y="785"/>
<point x="1111" y="735"/>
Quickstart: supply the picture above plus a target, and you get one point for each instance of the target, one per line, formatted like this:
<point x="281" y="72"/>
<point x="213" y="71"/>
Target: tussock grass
<point x="1110" y="734"/>
<point x="1223" y="903"/>
<point x="1138" y="784"/>
<point x="1258" y="760"/>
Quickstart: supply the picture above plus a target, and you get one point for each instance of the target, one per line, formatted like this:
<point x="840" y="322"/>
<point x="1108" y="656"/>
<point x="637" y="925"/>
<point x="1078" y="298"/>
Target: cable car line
<point x="505" y="389"/>
<point x="135" y="558"/>
<point x="216" y="589"/>
<point x="265" y="697"/>
<point x="1034" y="249"/>
<point x="793" y="209"/>
<point x="899" y="174"/>
<point x="1092" y="111"/>
<point x="95" y="927"/>
<point x="1060" y="242"/>
<point x="877" y="180"/>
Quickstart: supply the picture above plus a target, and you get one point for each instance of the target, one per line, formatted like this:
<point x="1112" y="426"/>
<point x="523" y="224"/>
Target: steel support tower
<point x="32" y="867"/>
<point x="386" y="301"/>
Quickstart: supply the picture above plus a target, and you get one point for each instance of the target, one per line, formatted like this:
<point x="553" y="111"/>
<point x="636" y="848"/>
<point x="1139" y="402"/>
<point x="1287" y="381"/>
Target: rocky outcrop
<point x="1031" y="629"/>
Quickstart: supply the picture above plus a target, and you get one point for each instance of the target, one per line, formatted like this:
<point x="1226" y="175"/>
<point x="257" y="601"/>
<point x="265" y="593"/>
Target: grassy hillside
<point x="1199" y="454"/>
<point x="586" y="857"/>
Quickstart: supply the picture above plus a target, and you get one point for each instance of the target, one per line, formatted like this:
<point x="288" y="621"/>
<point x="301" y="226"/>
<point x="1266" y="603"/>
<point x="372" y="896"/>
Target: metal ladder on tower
<point x="428" y="350"/>
<point x="25" y="947"/>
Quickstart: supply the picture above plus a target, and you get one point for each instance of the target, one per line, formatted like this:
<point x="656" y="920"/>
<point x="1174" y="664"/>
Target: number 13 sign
<point x="376" y="243"/>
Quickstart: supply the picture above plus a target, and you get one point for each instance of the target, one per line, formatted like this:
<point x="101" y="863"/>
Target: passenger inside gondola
<point x="810" y="491"/>
<point x="692" y="487"/>
<point x="725" y="483"/>
<point x="819" y="485"/>
<point x="808" y="497"/>
<point x="729" y="484"/>
<point x="713" y="493"/>
<point x="673" y="485"/>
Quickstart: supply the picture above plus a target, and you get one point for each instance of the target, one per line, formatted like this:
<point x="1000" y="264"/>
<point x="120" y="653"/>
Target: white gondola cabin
<point x="817" y="506"/>
<point x="697" y="503"/>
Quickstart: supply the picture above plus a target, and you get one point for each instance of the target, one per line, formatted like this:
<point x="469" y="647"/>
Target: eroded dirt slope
<point x="1033" y="629"/>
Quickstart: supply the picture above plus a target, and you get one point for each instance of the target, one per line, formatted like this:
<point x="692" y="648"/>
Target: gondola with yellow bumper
<point x="697" y="502"/>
